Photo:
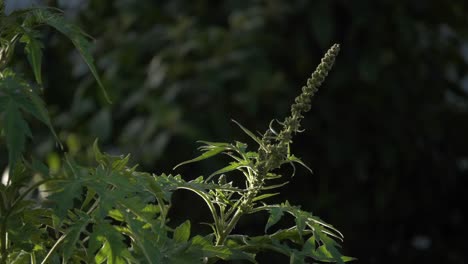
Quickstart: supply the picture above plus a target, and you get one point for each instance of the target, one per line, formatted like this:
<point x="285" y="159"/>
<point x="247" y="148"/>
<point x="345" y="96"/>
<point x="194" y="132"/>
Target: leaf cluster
<point x="113" y="213"/>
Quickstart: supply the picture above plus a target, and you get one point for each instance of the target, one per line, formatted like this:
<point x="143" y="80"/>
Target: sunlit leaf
<point x="205" y="155"/>
<point x="182" y="232"/>
<point x="113" y="249"/>
<point x="309" y="245"/>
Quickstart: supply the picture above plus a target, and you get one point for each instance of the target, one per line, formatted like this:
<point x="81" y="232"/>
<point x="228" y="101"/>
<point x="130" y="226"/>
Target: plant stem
<point x="54" y="247"/>
<point x="225" y="233"/>
<point x="238" y="214"/>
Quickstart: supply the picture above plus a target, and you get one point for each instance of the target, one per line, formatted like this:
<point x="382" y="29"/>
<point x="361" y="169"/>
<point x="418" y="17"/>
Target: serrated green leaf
<point x="77" y="37"/>
<point x="182" y="232"/>
<point x="113" y="249"/>
<point x="221" y="252"/>
<point x="24" y="96"/>
<point x="242" y="147"/>
<point x="329" y="246"/>
<point x="33" y="49"/>
<point x="309" y="246"/>
<point x="275" y="216"/>
<point x="16" y="130"/>
<point x="65" y="197"/>
<point x="90" y="194"/>
<point x="73" y="234"/>
<point x="208" y="154"/>
<point x="120" y="163"/>
<point x="144" y="241"/>
<point x="106" y="254"/>
<point x="322" y="253"/>
<point x="300" y="222"/>
<point x="38" y="109"/>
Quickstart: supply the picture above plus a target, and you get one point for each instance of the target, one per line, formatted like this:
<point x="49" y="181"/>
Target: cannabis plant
<point x="113" y="213"/>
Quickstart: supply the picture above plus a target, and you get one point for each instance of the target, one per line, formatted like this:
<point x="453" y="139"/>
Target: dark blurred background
<point x="387" y="136"/>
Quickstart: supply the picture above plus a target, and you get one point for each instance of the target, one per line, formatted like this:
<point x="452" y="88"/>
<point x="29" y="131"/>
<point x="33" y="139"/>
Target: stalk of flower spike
<point x="274" y="148"/>
<point x="276" y="145"/>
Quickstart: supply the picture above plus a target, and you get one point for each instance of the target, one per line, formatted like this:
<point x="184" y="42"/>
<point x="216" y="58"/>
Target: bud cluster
<point x="275" y="145"/>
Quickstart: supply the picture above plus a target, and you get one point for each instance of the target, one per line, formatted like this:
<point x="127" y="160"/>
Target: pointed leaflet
<point x="275" y="215"/>
<point x="64" y="199"/>
<point x="208" y="154"/>
<point x="113" y="249"/>
<point x="24" y="96"/>
<point x="73" y="234"/>
<point x="221" y="252"/>
<point x="300" y="220"/>
<point x="232" y="166"/>
<point x="97" y="153"/>
<point x="324" y="254"/>
<point x="182" y="232"/>
<point x="328" y="249"/>
<point x="75" y="35"/>
<point x="249" y="133"/>
<point x="143" y="240"/>
<point x="69" y="189"/>
<point x="264" y="196"/>
<point x="309" y="246"/>
<point x="16" y="130"/>
<point x="33" y="50"/>
<point x="286" y="234"/>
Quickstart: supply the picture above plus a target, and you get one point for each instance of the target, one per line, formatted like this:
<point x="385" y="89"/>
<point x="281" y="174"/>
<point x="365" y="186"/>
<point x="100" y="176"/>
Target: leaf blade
<point x="275" y="215"/>
<point x="207" y="154"/>
<point x="76" y="36"/>
<point x="33" y="49"/>
<point x="182" y="232"/>
<point x="16" y="130"/>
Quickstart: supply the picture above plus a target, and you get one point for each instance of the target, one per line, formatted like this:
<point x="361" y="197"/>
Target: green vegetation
<point x="111" y="212"/>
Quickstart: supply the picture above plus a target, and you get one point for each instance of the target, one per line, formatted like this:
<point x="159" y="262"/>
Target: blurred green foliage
<point x="387" y="138"/>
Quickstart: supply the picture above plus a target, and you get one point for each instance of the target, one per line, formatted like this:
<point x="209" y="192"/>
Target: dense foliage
<point x="386" y="139"/>
<point x="113" y="213"/>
